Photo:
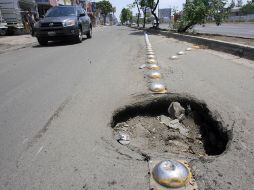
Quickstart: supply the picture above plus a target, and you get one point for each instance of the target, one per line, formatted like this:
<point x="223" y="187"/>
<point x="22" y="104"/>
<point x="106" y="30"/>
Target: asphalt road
<point x="56" y="104"/>
<point x="238" y="30"/>
<point x="227" y="29"/>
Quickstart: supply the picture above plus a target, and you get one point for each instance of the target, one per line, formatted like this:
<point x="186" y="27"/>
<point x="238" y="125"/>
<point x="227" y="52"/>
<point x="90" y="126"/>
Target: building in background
<point x="75" y="2"/>
<point x="165" y="15"/>
<point x="64" y="2"/>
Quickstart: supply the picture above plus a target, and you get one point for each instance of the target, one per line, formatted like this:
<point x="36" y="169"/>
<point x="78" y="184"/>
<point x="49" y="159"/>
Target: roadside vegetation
<point x="105" y="7"/>
<point x="126" y="15"/>
<point x="194" y="12"/>
<point x="142" y="5"/>
<point x="248" y="8"/>
<point x="199" y="12"/>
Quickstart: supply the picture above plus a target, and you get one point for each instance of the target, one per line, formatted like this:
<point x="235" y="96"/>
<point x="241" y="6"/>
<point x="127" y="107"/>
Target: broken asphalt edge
<point x="243" y="51"/>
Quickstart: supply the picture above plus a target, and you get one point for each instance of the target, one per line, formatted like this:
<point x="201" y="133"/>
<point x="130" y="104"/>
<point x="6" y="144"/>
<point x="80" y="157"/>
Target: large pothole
<point x="151" y="130"/>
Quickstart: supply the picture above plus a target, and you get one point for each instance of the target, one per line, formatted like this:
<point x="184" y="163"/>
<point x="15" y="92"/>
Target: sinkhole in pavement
<point x="149" y="127"/>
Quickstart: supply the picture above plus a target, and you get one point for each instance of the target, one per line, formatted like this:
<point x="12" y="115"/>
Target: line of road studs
<point x="184" y="52"/>
<point x="166" y="174"/>
<point x="153" y="74"/>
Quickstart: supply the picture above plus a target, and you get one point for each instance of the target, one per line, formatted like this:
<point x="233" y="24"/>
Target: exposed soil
<point x="147" y="125"/>
<point x="150" y="135"/>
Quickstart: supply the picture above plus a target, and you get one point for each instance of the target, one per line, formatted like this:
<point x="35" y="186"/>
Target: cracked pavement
<point x="56" y="104"/>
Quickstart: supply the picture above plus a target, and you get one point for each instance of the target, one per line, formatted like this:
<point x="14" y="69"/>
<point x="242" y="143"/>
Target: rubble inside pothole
<point x="162" y="133"/>
<point x="170" y="124"/>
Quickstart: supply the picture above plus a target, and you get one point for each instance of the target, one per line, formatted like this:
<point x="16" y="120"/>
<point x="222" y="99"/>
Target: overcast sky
<point x="120" y="4"/>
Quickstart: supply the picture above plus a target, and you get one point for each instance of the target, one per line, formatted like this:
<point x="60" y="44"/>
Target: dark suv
<point x="63" y="22"/>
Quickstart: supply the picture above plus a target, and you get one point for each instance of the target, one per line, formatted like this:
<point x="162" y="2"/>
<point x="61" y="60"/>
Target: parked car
<point x="3" y="25"/>
<point x="63" y="22"/>
<point x="12" y="12"/>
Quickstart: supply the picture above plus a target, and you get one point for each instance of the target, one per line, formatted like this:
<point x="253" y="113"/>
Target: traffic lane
<point x="27" y="74"/>
<point x="77" y="150"/>
<point x="240" y="30"/>
<point x="35" y="82"/>
<point x="226" y="84"/>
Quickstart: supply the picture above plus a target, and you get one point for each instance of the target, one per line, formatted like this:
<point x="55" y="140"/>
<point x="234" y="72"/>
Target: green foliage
<point x="248" y="8"/>
<point x="198" y="11"/>
<point x="105" y="7"/>
<point x="126" y="15"/>
<point x="134" y="19"/>
<point x="232" y="4"/>
<point x="153" y="6"/>
<point x="137" y="4"/>
<point x="113" y="9"/>
<point x="143" y="3"/>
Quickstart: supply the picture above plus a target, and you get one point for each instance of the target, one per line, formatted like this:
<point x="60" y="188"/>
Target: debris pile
<point x="121" y="134"/>
<point x="174" y="132"/>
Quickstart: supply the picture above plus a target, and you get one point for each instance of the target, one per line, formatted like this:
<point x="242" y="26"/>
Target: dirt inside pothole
<point x="149" y="134"/>
<point x="150" y="129"/>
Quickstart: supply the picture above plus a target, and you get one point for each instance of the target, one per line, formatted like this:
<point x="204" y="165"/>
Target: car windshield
<point x="61" y="11"/>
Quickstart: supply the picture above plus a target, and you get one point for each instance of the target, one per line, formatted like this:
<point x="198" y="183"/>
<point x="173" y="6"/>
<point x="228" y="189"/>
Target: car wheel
<point x="79" y="37"/>
<point x="42" y="41"/>
<point x="89" y="33"/>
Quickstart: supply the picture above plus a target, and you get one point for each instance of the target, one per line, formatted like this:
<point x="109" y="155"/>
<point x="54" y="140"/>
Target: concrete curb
<point x="218" y="45"/>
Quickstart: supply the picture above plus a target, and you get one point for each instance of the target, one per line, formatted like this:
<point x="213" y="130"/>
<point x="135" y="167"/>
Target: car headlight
<point x="69" y="23"/>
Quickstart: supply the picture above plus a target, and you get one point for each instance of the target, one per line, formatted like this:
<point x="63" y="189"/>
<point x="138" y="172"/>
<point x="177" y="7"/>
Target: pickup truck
<point x="13" y="11"/>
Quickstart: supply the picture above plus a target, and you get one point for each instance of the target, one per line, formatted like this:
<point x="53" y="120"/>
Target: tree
<point x="153" y="6"/>
<point x="143" y="6"/>
<point x="126" y="15"/>
<point x="239" y="3"/>
<point x="198" y="11"/>
<point x="248" y="8"/>
<point x="113" y="10"/>
<point x="137" y="3"/>
<point x="105" y="8"/>
<point x="232" y="4"/>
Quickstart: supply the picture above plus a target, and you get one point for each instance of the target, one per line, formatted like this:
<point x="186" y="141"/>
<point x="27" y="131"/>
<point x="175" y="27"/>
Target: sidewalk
<point x="8" y="43"/>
